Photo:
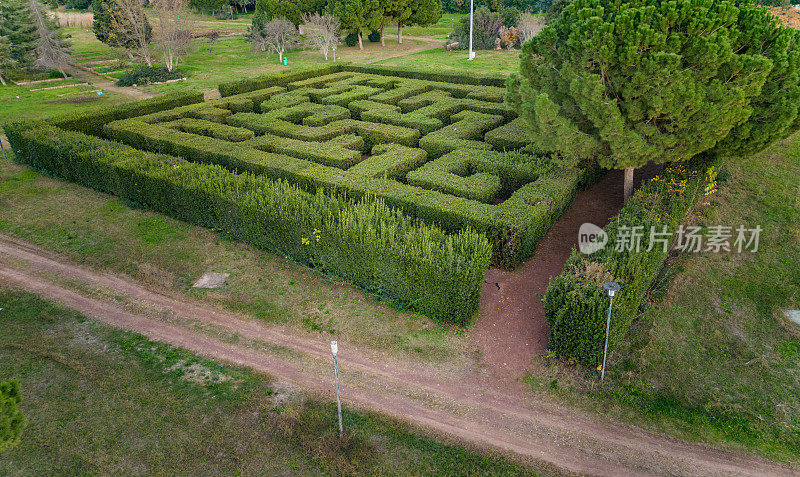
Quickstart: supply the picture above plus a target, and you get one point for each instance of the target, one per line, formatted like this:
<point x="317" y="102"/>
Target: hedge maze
<point x="405" y="183"/>
<point x="453" y="155"/>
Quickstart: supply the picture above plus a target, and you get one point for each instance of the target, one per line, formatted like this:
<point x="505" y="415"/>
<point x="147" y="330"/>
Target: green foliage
<point x="107" y="32"/>
<point x="575" y="302"/>
<point x="142" y="75"/>
<point x="210" y="6"/>
<point x="509" y="16"/>
<point x="12" y="421"/>
<point x="625" y="83"/>
<point x="357" y="15"/>
<point x="20" y="33"/>
<point x="363" y="241"/>
<point x="351" y="40"/>
<point x="486" y="29"/>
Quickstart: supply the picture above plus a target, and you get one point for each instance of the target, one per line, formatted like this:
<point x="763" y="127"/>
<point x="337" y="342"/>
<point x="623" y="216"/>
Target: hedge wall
<point x="363" y="241"/>
<point x="575" y="303"/>
<point x="92" y="122"/>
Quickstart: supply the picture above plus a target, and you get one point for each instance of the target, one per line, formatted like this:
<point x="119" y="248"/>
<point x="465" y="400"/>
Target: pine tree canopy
<point x="626" y="82"/>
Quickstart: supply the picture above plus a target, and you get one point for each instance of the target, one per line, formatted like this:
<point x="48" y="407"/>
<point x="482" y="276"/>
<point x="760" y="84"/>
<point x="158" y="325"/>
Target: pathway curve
<point x="483" y="410"/>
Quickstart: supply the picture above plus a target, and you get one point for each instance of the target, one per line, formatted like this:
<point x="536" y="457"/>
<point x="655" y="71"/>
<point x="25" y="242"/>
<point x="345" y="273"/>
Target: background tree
<point x="358" y="15"/>
<point x="629" y="82"/>
<point x="52" y="52"/>
<point x="173" y="30"/>
<point x="322" y="32"/>
<point x="277" y="35"/>
<point x="486" y="29"/>
<point x="6" y="61"/>
<point x="123" y="24"/>
<point x="419" y="12"/>
<point x="18" y="29"/>
<point x="529" y="26"/>
<point x="209" y="7"/>
<point x="293" y="10"/>
<point x="11" y="419"/>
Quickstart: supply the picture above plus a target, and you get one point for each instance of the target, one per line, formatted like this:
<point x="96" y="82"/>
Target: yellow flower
<point x="600" y="367"/>
<point x="305" y="241"/>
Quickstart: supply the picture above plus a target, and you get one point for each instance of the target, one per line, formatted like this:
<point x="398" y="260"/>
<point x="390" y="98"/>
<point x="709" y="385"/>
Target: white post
<point x="335" y="350"/>
<point x="608" y="328"/>
<point x="471" y="8"/>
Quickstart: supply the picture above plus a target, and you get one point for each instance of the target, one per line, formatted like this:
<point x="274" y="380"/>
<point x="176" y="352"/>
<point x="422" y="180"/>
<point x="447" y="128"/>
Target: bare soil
<point x="480" y="409"/>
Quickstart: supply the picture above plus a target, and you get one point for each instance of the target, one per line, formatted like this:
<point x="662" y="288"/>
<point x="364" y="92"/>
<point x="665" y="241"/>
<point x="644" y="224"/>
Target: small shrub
<point x="374" y="36"/>
<point x="147" y="75"/>
<point x="11" y="419"/>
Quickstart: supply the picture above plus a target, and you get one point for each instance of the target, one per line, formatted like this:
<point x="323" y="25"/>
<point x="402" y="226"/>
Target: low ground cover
<point x="148" y="408"/>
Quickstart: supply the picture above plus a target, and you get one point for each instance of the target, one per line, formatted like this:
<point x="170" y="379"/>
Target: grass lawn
<point x="107" y="233"/>
<point x="50" y="102"/>
<point x="437" y="59"/>
<point x="713" y="358"/>
<point x="103" y="401"/>
<point x="440" y="29"/>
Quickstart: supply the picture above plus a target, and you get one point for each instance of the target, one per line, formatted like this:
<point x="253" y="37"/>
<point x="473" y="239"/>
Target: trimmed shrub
<point x="363" y="241"/>
<point x="451" y="174"/>
<point x="473" y="78"/>
<point x="351" y="39"/>
<point x="575" y="302"/>
<point x="276" y="79"/>
<point x="463" y="133"/>
<point x="92" y="122"/>
<point x="391" y="161"/>
<point x="374" y="36"/>
<point x="147" y="75"/>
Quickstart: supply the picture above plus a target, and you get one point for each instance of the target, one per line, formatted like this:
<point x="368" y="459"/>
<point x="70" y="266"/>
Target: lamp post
<point x="471" y="8"/>
<point x="335" y="351"/>
<point x="612" y="288"/>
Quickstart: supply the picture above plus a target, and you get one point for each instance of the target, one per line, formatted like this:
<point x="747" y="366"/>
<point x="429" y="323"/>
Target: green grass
<point x="107" y="233"/>
<point x="495" y="61"/>
<point x="440" y="29"/>
<point x="713" y="358"/>
<point x="103" y="401"/>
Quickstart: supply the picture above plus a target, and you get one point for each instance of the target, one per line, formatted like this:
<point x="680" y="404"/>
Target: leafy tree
<point x="486" y="29"/>
<point x="18" y="29"/>
<point x="52" y="52"/>
<point x="358" y="15"/>
<point x="628" y="82"/>
<point x="423" y="13"/>
<point x="11" y="419"/>
<point x="209" y="6"/>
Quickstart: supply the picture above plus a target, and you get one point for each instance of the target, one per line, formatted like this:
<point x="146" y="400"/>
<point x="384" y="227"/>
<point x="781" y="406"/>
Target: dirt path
<point x="511" y="327"/>
<point x="486" y="411"/>
<point x="104" y="83"/>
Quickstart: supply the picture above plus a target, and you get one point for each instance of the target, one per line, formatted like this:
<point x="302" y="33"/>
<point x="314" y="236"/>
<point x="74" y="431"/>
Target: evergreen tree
<point x="52" y="52"/>
<point x="109" y="32"/>
<point x="415" y="12"/>
<point x="6" y="61"/>
<point x="628" y="82"/>
<point x="358" y="15"/>
<point x="18" y="29"/>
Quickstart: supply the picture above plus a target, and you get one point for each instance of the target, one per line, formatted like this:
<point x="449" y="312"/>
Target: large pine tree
<point x="18" y="29"/>
<point x="358" y="15"/>
<point x="625" y="82"/>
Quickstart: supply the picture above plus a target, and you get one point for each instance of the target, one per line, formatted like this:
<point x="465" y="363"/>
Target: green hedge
<point x="12" y="421"/>
<point x="276" y="79"/>
<point x="480" y="79"/>
<point x="92" y="122"/>
<point x="364" y="241"/>
<point x="576" y="304"/>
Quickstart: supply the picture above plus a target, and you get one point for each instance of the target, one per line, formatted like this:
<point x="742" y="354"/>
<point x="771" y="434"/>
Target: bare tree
<point x="322" y="32"/>
<point x="173" y="30"/>
<point x="6" y="60"/>
<point x="128" y="16"/>
<point x="277" y="35"/>
<point x="529" y="26"/>
<point x="52" y="53"/>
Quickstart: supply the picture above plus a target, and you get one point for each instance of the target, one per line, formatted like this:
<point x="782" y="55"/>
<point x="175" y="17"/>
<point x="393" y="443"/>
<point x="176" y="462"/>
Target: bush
<point x="509" y="16"/>
<point x="374" y="36"/>
<point x="11" y="419"/>
<point x="486" y="29"/>
<point x="281" y="79"/>
<point x="147" y="75"/>
<point x="363" y="241"/>
<point x="576" y="304"/>
<point x="351" y="39"/>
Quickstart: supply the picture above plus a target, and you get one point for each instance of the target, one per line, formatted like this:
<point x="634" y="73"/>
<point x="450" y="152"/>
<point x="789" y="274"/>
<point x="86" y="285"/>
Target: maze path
<point x="427" y="147"/>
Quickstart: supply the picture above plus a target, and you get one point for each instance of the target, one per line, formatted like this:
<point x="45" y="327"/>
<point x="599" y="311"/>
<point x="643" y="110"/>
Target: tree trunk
<point x="383" y="42"/>
<point x="400" y="33"/>
<point x="2" y="80"/>
<point x="629" y="183"/>
<point x="360" y="42"/>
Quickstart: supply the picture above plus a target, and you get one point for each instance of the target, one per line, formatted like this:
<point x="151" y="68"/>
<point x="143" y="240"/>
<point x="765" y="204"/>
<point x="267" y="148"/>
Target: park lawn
<point x="103" y="401"/>
<point x="438" y="59"/>
<point x="46" y="103"/>
<point x="440" y="29"/>
<point x="109" y="234"/>
<point x="712" y="357"/>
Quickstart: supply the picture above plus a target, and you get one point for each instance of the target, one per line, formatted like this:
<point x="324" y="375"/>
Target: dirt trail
<point x="483" y="410"/>
<point x="511" y="327"/>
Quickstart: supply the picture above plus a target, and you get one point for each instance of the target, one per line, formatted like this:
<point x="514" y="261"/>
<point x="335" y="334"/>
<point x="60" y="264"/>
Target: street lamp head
<point x="611" y="287"/>
<point x="334" y="347"/>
